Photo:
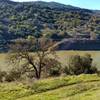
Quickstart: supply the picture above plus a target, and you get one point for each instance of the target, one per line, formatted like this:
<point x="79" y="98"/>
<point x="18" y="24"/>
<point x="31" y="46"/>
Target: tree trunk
<point x="36" y="70"/>
<point x="37" y="74"/>
<point x="40" y="67"/>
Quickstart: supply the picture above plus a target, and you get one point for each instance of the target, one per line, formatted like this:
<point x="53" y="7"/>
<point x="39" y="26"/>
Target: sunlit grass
<point x="59" y="88"/>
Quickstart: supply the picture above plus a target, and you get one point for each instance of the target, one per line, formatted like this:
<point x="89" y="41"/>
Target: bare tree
<point x="34" y="51"/>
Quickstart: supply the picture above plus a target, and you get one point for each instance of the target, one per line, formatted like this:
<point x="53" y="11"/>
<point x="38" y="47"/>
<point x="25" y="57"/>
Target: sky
<point x="89" y="4"/>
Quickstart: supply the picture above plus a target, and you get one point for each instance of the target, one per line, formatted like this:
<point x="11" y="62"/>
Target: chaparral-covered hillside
<point x="49" y="19"/>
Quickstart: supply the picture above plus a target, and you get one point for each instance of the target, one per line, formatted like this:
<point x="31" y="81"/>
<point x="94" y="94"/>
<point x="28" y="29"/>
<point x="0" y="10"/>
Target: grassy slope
<point x="83" y="87"/>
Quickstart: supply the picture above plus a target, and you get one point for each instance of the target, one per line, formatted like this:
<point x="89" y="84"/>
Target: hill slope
<point x="83" y="87"/>
<point x="50" y="19"/>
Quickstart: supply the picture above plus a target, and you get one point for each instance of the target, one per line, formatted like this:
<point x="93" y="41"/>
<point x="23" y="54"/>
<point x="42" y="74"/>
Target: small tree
<point x="21" y="50"/>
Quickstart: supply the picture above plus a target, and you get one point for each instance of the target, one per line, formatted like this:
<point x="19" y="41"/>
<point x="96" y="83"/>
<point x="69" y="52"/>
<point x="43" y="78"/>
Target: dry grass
<point x="62" y="56"/>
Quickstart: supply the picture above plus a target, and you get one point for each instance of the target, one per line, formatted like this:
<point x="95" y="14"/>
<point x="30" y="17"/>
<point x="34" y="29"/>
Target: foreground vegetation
<point x="82" y="87"/>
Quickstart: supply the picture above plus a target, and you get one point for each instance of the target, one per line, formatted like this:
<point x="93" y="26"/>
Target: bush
<point x="19" y="74"/>
<point x="53" y="67"/>
<point x="13" y="75"/>
<point x="55" y="71"/>
<point x="93" y="70"/>
<point x="2" y="75"/>
<point x="66" y="70"/>
<point x="74" y="65"/>
<point x="80" y="64"/>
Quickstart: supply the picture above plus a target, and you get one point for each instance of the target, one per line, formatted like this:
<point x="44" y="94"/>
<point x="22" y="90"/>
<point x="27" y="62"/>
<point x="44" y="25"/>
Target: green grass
<point x="82" y="87"/>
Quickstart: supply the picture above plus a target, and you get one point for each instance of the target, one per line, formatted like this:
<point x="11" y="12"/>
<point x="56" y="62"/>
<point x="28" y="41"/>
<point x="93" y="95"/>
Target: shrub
<point x="74" y="65"/>
<point x="66" y="70"/>
<point x="80" y="64"/>
<point x="13" y="75"/>
<point x="2" y="75"/>
<point x="20" y="73"/>
<point x="86" y="63"/>
<point x="55" y="71"/>
<point x="93" y="70"/>
<point x="53" y="67"/>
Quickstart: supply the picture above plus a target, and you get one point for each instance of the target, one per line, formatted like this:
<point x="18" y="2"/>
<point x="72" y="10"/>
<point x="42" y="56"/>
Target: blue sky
<point x="90" y="4"/>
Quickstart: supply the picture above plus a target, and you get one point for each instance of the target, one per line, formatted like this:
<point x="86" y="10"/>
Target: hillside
<point x="50" y="19"/>
<point x="83" y="87"/>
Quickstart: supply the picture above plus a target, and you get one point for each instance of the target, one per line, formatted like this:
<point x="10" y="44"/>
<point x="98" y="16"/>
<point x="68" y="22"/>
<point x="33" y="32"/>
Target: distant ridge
<point x="7" y="2"/>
